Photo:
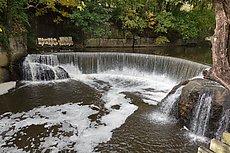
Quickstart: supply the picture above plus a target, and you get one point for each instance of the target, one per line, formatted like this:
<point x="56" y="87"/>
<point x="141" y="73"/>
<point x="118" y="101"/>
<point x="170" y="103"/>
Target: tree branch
<point x="226" y="5"/>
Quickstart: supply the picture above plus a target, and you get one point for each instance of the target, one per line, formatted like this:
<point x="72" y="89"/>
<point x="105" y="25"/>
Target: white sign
<point x="61" y="41"/>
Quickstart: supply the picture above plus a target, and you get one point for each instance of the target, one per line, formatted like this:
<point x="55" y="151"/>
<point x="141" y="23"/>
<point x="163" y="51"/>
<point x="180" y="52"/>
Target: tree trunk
<point x="220" y="70"/>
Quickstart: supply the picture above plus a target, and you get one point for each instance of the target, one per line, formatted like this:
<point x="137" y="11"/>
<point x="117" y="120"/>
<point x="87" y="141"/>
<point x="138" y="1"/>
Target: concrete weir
<point x="36" y="66"/>
<point x="5" y="87"/>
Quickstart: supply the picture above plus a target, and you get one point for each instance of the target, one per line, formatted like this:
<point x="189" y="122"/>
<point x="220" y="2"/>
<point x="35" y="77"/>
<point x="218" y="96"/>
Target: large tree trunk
<point x="220" y="70"/>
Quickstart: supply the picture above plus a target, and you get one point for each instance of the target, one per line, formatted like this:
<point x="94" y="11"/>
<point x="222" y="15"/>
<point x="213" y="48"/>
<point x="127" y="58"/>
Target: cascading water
<point x="201" y="114"/>
<point x="223" y="124"/>
<point x="43" y="68"/>
<point x="54" y="66"/>
<point x="168" y="104"/>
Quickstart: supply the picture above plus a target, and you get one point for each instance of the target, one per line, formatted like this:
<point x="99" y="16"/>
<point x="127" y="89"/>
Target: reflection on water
<point x="196" y="54"/>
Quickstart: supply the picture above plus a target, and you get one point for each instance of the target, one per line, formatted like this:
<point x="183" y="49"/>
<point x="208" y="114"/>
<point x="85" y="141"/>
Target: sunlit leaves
<point x="132" y="21"/>
<point x="82" y="6"/>
<point x="151" y="20"/>
<point x="62" y="8"/>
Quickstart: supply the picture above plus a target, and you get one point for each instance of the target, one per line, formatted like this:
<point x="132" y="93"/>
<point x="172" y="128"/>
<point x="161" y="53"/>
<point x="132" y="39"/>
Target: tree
<point x="220" y="70"/>
<point x="61" y="8"/>
<point x="93" y="19"/>
<point x="13" y="21"/>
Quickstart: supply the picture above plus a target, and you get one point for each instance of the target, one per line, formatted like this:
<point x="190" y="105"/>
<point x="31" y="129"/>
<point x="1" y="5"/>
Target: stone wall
<point x="216" y="146"/>
<point x="119" y="42"/>
<point x="9" y="61"/>
<point x="4" y="74"/>
<point x="18" y="48"/>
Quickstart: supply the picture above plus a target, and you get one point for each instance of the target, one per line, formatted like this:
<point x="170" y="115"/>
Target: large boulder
<point x="198" y="91"/>
<point x="4" y="75"/>
<point x="3" y="59"/>
<point x="18" y="47"/>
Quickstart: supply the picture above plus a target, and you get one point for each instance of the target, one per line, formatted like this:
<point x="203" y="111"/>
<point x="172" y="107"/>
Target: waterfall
<point x="43" y="67"/>
<point x="168" y="104"/>
<point x="57" y="65"/>
<point x="223" y="124"/>
<point x="201" y="114"/>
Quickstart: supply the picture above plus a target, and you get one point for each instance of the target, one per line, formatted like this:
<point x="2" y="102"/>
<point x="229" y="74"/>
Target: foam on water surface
<point x="73" y="129"/>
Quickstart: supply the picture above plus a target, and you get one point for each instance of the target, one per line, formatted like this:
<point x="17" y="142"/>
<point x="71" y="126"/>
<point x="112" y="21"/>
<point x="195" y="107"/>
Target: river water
<point x="103" y="106"/>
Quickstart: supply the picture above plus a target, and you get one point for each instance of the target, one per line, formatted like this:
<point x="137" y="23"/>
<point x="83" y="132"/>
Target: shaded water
<point x="107" y="105"/>
<point x="196" y="54"/>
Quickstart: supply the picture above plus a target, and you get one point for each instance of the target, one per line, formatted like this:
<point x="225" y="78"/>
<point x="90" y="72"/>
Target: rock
<point x="61" y="73"/>
<point x="4" y="75"/>
<point x="3" y="59"/>
<point x="45" y="73"/>
<point x="117" y="107"/>
<point x="18" y="46"/>
<point x="191" y="93"/>
<point x="5" y="87"/>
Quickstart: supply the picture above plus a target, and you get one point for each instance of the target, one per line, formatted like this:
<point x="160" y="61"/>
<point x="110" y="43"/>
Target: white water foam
<point x="160" y="118"/>
<point x="163" y="116"/>
<point x="196" y="138"/>
<point x="74" y="120"/>
<point x="151" y="87"/>
<point x="85" y="136"/>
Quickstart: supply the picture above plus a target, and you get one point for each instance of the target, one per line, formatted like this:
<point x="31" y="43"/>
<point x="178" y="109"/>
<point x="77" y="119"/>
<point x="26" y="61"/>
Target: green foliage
<point x="3" y="4"/>
<point x="13" y="21"/>
<point x="165" y="21"/>
<point x="161" y="40"/>
<point x="158" y="18"/>
<point x="189" y="19"/>
<point x="93" y="19"/>
<point x="61" y="8"/>
<point x="4" y="41"/>
<point x="132" y="21"/>
<point x="131" y="15"/>
<point x="19" y="17"/>
<point x="195" y="24"/>
<point x="13" y="16"/>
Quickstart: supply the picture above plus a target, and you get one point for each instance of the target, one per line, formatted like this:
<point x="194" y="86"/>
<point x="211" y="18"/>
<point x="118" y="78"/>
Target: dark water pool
<point x="110" y="112"/>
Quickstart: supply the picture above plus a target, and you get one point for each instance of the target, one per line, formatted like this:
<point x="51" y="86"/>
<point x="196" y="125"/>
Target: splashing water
<point x="201" y="114"/>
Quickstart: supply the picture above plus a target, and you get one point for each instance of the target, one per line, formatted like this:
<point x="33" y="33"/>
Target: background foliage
<point x="162" y="19"/>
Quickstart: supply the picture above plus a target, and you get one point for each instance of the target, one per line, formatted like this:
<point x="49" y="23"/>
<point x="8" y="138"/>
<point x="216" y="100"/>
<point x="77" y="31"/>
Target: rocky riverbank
<point x="203" y="102"/>
<point x="4" y="73"/>
<point x="9" y="60"/>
